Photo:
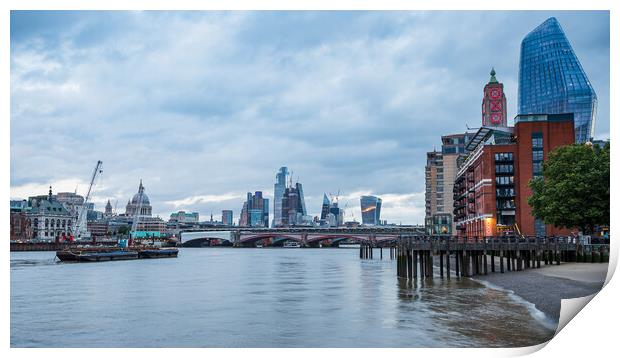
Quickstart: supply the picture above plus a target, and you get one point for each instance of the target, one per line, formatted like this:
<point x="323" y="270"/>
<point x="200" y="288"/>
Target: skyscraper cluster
<point x="331" y="213"/>
<point x="294" y="206"/>
<point x="255" y="211"/>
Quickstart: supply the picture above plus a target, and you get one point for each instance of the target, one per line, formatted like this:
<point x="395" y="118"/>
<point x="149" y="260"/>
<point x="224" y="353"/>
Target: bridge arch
<point x="335" y="237"/>
<point x="253" y="238"/>
<point x="196" y="237"/>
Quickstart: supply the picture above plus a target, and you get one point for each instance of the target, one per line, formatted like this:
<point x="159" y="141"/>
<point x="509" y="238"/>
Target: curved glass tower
<point x="371" y="210"/>
<point x="552" y="81"/>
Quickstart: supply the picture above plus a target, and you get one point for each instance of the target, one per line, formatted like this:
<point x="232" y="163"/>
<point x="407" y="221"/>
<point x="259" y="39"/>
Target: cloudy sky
<point x="206" y="106"/>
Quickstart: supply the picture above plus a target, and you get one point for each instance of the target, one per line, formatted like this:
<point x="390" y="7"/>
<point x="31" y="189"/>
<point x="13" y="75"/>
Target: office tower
<point x="255" y="211"/>
<point x="371" y="210"/>
<point x="552" y="81"/>
<point x="325" y="207"/>
<point x="278" y="192"/>
<point x="227" y="217"/>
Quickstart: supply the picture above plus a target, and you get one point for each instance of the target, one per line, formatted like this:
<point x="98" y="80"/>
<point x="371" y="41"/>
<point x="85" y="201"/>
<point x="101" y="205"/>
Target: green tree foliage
<point x="122" y="230"/>
<point x="574" y="189"/>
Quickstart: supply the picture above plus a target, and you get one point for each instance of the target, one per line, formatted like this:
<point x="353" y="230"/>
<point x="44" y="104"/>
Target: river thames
<point x="229" y="297"/>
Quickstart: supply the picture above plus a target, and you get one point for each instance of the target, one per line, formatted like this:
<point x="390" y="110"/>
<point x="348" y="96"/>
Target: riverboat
<point x="349" y="246"/>
<point x="291" y="245"/>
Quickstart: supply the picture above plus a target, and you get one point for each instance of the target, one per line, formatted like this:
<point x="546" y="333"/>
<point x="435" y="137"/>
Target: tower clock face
<point x="496" y="118"/>
<point x="495" y="93"/>
<point x="496" y="106"/>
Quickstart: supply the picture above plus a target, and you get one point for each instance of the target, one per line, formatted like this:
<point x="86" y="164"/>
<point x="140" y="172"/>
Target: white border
<point x="591" y="333"/>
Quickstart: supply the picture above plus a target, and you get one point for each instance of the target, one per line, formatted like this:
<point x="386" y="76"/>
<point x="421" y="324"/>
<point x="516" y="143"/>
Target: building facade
<point x="48" y="219"/>
<point x="227" y="217"/>
<point x="552" y="81"/>
<point x="371" y="210"/>
<point x="294" y="207"/>
<point x="255" y="211"/>
<point x="182" y="217"/>
<point x="491" y="187"/>
<point x="440" y="172"/>
<point x="278" y="193"/>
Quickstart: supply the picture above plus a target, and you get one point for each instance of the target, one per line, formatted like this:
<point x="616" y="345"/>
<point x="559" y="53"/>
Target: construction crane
<point x="78" y="223"/>
<point x="331" y="197"/>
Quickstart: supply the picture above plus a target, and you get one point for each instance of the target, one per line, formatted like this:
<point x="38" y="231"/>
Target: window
<point x="503" y="157"/>
<point x="537" y="155"/>
<point x="537" y="140"/>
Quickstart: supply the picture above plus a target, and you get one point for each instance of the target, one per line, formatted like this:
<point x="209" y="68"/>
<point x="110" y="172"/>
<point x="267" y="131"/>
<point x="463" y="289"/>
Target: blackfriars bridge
<point x="379" y="236"/>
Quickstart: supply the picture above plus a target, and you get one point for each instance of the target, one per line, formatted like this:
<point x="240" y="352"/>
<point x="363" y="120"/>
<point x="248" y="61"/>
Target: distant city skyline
<point x="206" y="106"/>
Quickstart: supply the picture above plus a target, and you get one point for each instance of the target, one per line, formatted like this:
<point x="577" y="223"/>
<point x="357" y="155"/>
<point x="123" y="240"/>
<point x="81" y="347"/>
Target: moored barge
<point x="157" y="253"/>
<point x="114" y="254"/>
<point x="96" y="255"/>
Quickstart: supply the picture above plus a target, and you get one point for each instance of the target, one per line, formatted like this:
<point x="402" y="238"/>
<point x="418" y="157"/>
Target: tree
<point x="122" y="230"/>
<point x="574" y="189"/>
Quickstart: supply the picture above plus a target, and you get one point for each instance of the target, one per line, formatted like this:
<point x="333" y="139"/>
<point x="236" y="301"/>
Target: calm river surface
<point x="228" y="297"/>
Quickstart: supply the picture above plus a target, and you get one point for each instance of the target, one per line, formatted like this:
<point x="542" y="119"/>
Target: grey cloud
<point x="201" y="104"/>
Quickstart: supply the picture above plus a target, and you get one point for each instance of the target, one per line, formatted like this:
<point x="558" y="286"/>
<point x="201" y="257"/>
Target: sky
<point x="205" y="106"/>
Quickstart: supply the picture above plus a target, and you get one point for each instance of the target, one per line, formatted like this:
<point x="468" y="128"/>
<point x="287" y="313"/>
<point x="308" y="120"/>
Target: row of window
<point x="504" y="192"/>
<point x="505" y="204"/>
<point x="504" y="180"/>
<point x="503" y="157"/>
<point x="57" y="221"/>
<point x="504" y="168"/>
<point x="537" y="154"/>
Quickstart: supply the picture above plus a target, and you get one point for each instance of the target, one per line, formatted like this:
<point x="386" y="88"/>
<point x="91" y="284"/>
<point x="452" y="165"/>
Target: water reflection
<point x="256" y="298"/>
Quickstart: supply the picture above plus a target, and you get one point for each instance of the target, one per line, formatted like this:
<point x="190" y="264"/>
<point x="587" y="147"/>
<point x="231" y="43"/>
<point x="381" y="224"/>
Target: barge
<point x="96" y="255"/>
<point x="157" y="253"/>
<point x="113" y="254"/>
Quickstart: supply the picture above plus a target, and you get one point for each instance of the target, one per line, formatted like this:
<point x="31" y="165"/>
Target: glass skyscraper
<point x="552" y="81"/>
<point x="371" y="210"/>
<point x="278" y="192"/>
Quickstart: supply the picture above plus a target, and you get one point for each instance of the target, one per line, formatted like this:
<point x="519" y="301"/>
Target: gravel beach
<point x="547" y="286"/>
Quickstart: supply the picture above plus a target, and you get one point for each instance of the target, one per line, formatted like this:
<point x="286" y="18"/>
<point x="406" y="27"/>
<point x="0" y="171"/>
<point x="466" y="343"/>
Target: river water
<point x="229" y="297"/>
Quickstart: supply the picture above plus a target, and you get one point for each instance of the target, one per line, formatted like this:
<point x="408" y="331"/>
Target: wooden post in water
<point x="440" y="263"/>
<point x="415" y="264"/>
<point x="456" y="263"/>
<point x="448" y="258"/>
<point x="410" y="265"/>
<point x="422" y="264"/>
<point x="429" y="272"/>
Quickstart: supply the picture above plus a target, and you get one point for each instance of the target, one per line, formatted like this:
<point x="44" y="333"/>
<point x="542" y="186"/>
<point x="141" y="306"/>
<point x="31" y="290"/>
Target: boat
<point x="156" y="253"/>
<point x="349" y="246"/>
<point x="89" y="255"/>
<point x="291" y="245"/>
<point x="259" y="246"/>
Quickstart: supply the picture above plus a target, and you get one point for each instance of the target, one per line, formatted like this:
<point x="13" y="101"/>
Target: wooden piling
<point x="440" y="263"/>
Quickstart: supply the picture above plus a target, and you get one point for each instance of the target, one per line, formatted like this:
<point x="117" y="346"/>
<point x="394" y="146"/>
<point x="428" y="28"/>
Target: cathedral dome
<point x="136" y="198"/>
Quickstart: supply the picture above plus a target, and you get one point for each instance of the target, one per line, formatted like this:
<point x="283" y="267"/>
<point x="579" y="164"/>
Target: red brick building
<point x="491" y="186"/>
<point x="20" y="228"/>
